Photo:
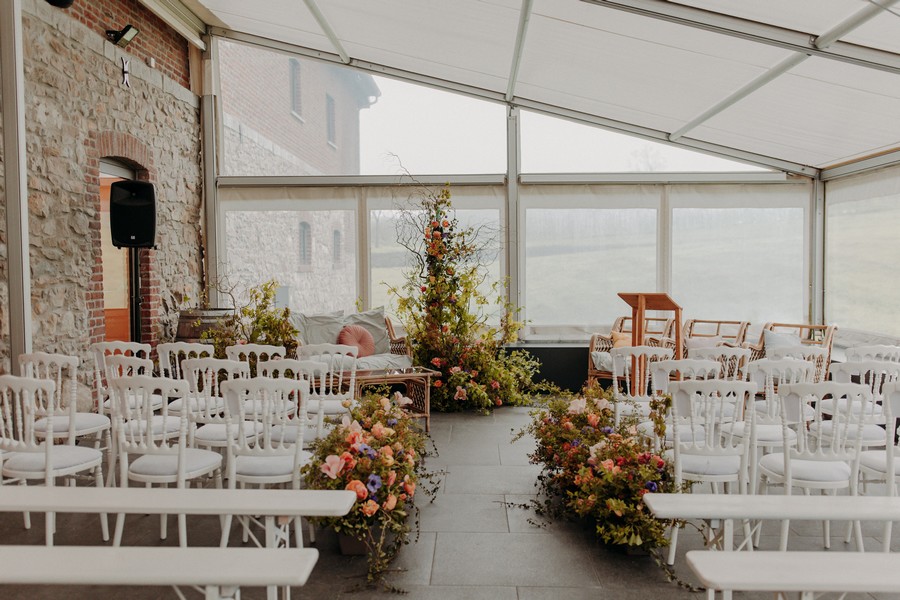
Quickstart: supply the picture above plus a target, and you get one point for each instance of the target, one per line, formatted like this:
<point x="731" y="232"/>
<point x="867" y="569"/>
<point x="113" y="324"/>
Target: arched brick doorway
<point x="129" y="151"/>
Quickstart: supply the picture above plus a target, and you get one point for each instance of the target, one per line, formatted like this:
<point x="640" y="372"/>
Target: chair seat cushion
<point x="196" y="463"/>
<point x="602" y="361"/>
<point x="217" y="433"/>
<point x="823" y="471"/>
<point x="62" y="458"/>
<point x="377" y="362"/>
<point x="711" y="466"/>
<point x="686" y="432"/>
<point x="876" y="460"/>
<point x="331" y="407"/>
<point x="765" y="433"/>
<point x="85" y="423"/>
<point x="159" y="424"/>
<point x="871" y="411"/>
<point x="268" y="466"/>
<point x="156" y="402"/>
<point x="871" y="434"/>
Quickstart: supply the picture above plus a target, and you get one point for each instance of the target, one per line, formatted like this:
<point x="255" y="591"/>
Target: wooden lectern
<point x="640" y="303"/>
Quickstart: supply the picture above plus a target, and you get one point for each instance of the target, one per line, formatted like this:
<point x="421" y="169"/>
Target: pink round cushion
<point x="359" y="336"/>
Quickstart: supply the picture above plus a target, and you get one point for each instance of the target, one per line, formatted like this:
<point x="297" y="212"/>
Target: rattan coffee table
<point x="417" y="381"/>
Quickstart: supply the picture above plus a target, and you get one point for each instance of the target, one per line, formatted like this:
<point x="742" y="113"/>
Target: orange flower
<point x="438" y="383"/>
<point x="369" y="508"/>
<point x="359" y="487"/>
<point x="390" y="503"/>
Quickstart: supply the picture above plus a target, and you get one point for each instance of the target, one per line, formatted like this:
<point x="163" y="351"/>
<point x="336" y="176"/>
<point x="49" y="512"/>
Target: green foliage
<point x="445" y="313"/>
<point x="258" y="321"/>
<point x="598" y="471"/>
<point x="375" y="452"/>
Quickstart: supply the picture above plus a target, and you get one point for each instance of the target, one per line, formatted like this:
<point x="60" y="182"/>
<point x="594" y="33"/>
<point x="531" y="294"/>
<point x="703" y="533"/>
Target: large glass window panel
<point x="351" y="122"/>
<point x="739" y="251"/>
<point x="474" y="206"/>
<point x="585" y="244"/>
<point x="554" y="145"/>
<point x="862" y="246"/>
<point x="289" y="235"/>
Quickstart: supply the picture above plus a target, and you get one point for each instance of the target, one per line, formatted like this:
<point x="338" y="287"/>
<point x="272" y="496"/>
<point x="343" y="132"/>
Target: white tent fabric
<point x="649" y="67"/>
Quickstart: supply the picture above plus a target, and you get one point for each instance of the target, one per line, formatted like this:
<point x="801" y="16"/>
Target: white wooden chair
<point x="66" y="420"/>
<point x="161" y="459"/>
<point x="874" y="352"/>
<point x="332" y="394"/>
<point x="254" y="354"/>
<point x="711" y="407"/>
<point x="875" y="375"/>
<point x="632" y="393"/>
<point x="817" y="462"/>
<point x="816" y="355"/>
<point x="275" y="458"/>
<point x="687" y="369"/>
<point x="884" y="465"/>
<point x="310" y="371"/>
<point x="102" y="351"/>
<point x="206" y="408"/>
<point x="23" y="458"/>
<point x="172" y="354"/>
<point x="733" y="360"/>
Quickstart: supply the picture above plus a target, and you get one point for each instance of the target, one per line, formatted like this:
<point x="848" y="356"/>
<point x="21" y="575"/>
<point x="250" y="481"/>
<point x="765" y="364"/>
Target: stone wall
<point x="77" y="112"/>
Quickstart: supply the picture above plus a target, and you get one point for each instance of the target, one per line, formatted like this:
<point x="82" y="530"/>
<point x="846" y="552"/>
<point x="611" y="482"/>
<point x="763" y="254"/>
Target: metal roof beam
<point x="180" y="18"/>
<point x="524" y="18"/>
<point x="763" y="33"/>
<point x="824" y="40"/>
<point x="654" y="135"/>
<point x="327" y="30"/>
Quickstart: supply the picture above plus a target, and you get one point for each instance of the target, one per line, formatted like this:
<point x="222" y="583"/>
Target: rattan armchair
<point x="655" y="329"/>
<point x="809" y="335"/>
<point x="399" y="344"/>
<point x="731" y="333"/>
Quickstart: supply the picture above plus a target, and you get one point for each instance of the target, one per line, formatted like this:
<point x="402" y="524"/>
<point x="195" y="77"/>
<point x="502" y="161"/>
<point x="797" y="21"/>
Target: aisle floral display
<point x="445" y="307"/>
<point x="598" y="471"/>
<point x="375" y="451"/>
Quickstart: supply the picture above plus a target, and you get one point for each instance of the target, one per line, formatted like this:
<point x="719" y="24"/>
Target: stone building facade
<point x="79" y="111"/>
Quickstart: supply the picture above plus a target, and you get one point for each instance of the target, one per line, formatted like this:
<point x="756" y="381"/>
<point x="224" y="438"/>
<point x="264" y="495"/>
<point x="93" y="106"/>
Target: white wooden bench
<point x="220" y="571"/>
<point x="805" y="573"/>
<point x="720" y="511"/>
<point x="271" y="505"/>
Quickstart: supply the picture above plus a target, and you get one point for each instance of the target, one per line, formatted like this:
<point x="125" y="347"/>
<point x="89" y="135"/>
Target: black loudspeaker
<point x="132" y="214"/>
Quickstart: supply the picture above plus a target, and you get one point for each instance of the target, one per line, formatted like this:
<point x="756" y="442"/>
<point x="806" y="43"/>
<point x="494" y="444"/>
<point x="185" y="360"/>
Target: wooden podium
<point x="640" y="303"/>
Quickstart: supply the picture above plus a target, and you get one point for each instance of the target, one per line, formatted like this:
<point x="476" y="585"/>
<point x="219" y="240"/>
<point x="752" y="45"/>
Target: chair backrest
<point x="733" y="361"/>
<point x="711" y="407"/>
<point x="891" y="392"/>
<point x="876" y="352"/>
<point x="873" y="373"/>
<point x="293" y="368"/>
<point x="62" y="370"/>
<point x="657" y="327"/>
<point x="734" y="332"/>
<point x="132" y="417"/>
<point x="816" y="355"/>
<point x="770" y="373"/>
<point x="20" y="399"/>
<point x="809" y="335"/>
<point x="636" y="363"/>
<point x="171" y="355"/>
<point x="205" y="377"/>
<point x="687" y="368"/>
<point x="340" y="360"/>
<point x="103" y="350"/>
<point x="826" y="437"/>
<point x="277" y="404"/>
<point x="259" y="352"/>
<point x="120" y="365"/>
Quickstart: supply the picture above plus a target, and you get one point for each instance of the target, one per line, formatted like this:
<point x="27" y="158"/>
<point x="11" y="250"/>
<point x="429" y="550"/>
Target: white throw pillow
<point x="319" y="329"/>
<point x="774" y="339"/>
<point x="702" y="342"/>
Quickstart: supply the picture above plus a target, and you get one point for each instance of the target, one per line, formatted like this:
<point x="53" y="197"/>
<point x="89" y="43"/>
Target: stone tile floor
<point x="476" y="540"/>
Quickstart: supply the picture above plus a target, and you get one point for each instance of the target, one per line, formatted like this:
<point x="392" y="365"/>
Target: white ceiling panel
<point x="617" y="66"/>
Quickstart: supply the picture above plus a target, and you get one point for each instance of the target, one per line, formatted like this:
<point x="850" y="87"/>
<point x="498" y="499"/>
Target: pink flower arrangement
<point x="375" y="451"/>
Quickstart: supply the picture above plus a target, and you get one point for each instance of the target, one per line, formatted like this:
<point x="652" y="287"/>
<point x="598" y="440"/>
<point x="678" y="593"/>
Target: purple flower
<point x="607" y="430"/>
<point x="391" y="422"/>
<point x="368" y="450"/>
<point x="576" y="443"/>
<point x="651" y="486"/>
<point x="374" y="483"/>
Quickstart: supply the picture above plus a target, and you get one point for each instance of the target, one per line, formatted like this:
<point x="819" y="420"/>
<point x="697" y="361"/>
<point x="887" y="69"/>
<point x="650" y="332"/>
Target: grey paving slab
<point x="523" y="518"/>
<point x="483" y="454"/>
<point x="414" y="564"/>
<point x="512" y="559"/>
<point x="469" y="479"/>
<point x="440" y="592"/>
<point x="464" y="512"/>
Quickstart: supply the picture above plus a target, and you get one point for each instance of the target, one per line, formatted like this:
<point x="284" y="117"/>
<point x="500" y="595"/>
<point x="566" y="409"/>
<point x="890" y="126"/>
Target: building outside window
<point x="336" y="249"/>
<point x="305" y="246"/>
<point x="295" y="85"/>
<point x="330" y="120"/>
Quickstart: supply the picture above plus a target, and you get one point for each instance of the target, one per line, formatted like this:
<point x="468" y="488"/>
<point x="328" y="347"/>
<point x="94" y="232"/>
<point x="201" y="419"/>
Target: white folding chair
<point x="334" y="393"/>
<point x="23" y="458"/>
<point x="632" y="368"/>
<point x="711" y="407"/>
<point x="817" y="461"/>
<point x="161" y="459"/>
<point x="276" y="457"/>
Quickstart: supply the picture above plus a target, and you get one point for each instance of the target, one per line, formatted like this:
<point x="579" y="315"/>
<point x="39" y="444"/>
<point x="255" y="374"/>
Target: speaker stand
<point x="134" y="275"/>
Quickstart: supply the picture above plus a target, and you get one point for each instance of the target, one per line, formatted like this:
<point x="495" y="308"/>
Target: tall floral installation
<point x="375" y="451"/>
<point x="596" y="470"/>
<point x="446" y="313"/>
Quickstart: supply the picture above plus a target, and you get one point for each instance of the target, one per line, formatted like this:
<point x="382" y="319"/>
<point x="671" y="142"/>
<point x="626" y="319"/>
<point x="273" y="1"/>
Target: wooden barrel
<point x="193" y="322"/>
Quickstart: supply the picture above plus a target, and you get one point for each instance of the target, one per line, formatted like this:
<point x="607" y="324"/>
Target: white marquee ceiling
<point x="756" y="80"/>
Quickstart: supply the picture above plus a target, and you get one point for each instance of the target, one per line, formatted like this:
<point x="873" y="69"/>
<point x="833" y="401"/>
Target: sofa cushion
<point x="319" y="329"/>
<point x="775" y="339"/>
<point x="383" y="361"/>
<point x="621" y="339"/>
<point x="359" y="336"/>
<point x="373" y="320"/>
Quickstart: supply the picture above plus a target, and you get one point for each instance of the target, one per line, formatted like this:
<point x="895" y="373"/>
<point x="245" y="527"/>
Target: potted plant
<point x="376" y="452"/>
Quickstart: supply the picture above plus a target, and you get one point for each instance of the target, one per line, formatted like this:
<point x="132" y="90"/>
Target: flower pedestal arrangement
<point x="597" y="471"/>
<point x="375" y="451"/>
